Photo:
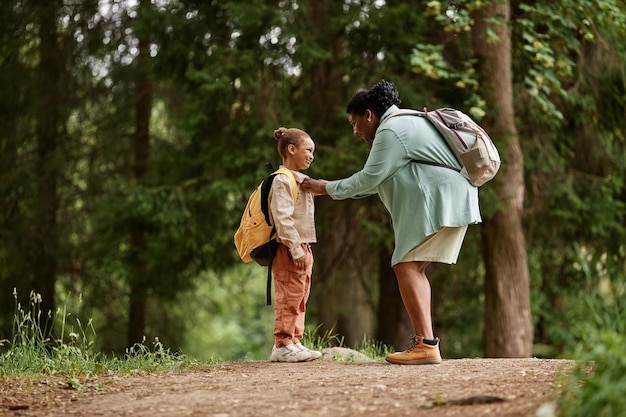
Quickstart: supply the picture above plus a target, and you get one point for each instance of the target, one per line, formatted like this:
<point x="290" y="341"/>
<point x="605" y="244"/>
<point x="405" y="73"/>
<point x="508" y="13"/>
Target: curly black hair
<point x="377" y="99"/>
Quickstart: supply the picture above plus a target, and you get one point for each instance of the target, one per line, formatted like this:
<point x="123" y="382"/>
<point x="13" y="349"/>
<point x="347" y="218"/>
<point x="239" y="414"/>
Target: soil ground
<point x="459" y="387"/>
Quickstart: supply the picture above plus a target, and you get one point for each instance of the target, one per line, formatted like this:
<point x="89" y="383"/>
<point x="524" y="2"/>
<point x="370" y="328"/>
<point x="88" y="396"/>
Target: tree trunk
<point x="342" y="293"/>
<point x="48" y="128"/>
<point x="341" y="283"/>
<point x="508" y="323"/>
<point x="322" y="79"/>
<point x="141" y="153"/>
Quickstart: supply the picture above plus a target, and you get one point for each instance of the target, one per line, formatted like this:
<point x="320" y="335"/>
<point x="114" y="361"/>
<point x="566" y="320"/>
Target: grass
<point x="34" y="351"/>
<point x="374" y="350"/>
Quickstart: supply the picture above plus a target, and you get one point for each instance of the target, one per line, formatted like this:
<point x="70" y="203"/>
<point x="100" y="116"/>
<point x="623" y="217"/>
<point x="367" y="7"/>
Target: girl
<point x="295" y="231"/>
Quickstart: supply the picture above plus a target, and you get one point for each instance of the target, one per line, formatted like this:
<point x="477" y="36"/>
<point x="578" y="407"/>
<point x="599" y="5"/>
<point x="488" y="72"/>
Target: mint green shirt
<point x="420" y="198"/>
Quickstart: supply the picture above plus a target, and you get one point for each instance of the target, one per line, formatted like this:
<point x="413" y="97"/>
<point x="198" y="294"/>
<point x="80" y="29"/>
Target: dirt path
<point x="467" y="387"/>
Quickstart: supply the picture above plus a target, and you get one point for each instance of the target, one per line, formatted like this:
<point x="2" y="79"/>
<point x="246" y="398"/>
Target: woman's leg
<point x="415" y="291"/>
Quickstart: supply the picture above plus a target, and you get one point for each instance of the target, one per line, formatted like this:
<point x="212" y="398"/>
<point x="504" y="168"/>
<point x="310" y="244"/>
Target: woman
<point x="430" y="206"/>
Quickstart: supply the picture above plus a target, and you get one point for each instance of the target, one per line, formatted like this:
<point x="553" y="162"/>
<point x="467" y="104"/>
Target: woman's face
<point x="364" y="126"/>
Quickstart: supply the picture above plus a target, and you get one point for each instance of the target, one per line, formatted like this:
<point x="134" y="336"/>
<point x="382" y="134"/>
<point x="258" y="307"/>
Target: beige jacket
<point x="295" y="225"/>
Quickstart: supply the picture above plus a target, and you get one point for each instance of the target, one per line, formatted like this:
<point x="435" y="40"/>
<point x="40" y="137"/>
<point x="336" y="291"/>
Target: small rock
<point x="344" y="354"/>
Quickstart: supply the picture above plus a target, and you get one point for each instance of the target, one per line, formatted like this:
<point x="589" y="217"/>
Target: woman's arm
<point x="388" y="154"/>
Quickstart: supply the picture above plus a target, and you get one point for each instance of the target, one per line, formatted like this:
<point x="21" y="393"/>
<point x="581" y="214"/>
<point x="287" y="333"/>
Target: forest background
<point x="133" y="131"/>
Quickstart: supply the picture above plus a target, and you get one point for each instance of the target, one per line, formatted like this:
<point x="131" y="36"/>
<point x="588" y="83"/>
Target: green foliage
<point x="597" y="387"/>
<point x="430" y="61"/>
<point x="450" y="64"/>
<point x="225" y="316"/>
<point x="595" y="312"/>
<point x="226" y="74"/>
<point x="453" y="17"/>
<point x="601" y="306"/>
<point x="550" y="32"/>
<point x="574" y="183"/>
<point x="545" y="35"/>
<point x="583" y="301"/>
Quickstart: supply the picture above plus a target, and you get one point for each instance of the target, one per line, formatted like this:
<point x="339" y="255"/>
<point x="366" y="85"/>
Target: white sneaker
<point x="314" y="353"/>
<point x="289" y="353"/>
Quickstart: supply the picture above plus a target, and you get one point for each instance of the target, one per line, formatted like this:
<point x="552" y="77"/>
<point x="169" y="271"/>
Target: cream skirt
<point x="443" y="246"/>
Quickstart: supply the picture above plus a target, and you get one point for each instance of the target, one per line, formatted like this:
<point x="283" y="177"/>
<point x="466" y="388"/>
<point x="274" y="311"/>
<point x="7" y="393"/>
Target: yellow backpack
<point x="255" y="238"/>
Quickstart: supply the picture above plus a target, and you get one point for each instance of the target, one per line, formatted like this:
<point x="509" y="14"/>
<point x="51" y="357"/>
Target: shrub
<point x="597" y="386"/>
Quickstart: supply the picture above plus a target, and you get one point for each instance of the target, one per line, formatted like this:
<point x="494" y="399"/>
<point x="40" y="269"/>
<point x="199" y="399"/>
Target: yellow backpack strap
<point x="292" y="181"/>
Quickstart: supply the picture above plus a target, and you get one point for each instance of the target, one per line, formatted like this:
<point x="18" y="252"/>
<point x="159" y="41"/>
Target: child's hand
<point x="303" y="262"/>
<point x="300" y="263"/>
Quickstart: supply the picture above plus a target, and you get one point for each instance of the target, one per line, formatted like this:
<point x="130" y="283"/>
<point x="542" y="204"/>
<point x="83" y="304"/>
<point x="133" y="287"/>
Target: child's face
<point x="302" y="155"/>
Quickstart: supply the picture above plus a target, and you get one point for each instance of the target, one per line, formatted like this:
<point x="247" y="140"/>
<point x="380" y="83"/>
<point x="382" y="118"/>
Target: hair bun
<point x="279" y="133"/>
<point x="385" y="93"/>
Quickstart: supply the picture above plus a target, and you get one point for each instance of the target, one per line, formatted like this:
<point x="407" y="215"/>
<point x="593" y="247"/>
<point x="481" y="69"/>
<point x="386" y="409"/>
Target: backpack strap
<point x="435" y="164"/>
<point x="292" y="181"/>
<point x="268" y="290"/>
<point x="409" y="112"/>
<point x="404" y="112"/>
<point x="267" y="184"/>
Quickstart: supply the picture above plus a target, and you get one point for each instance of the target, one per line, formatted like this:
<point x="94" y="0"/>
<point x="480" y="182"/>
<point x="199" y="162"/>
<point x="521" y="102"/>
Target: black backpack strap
<point x="269" y="284"/>
<point x="435" y="164"/>
<point x="268" y="291"/>
<point x="265" y="192"/>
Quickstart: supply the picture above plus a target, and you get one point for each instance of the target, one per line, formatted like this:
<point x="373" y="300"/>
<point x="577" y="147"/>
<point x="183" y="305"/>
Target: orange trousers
<point x="291" y="293"/>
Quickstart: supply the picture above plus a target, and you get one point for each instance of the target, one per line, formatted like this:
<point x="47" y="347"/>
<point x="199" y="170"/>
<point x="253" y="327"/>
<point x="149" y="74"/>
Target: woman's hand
<point x="316" y="187"/>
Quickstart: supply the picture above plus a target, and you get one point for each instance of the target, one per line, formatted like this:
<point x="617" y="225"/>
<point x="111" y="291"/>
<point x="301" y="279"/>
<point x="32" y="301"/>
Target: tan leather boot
<point x="418" y="353"/>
